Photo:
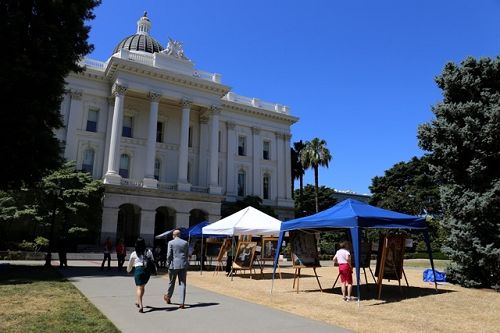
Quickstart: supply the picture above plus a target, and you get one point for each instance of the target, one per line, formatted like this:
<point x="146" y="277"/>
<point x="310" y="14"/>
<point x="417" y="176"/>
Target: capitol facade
<point x="171" y="142"/>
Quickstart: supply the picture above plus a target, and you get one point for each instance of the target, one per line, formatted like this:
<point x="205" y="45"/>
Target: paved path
<point x="114" y="294"/>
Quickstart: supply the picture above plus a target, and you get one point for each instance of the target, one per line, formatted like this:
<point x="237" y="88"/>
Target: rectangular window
<point x="219" y="141"/>
<point x="127" y="127"/>
<point x="157" y="169"/>
<point x="92" y="117"/>
<point x="159" y="131"/>
<point x="241" y="184"/>
<point x="265" y="150"/>
<point x="242" y="146"/>
<point x="88" y="161"/>
<point x="124" y="166"/>
<point x="265" y="183"/>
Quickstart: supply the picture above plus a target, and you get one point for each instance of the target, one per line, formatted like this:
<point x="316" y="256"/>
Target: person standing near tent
<point x="177" y="263"/>
<point x="343" y="258"/>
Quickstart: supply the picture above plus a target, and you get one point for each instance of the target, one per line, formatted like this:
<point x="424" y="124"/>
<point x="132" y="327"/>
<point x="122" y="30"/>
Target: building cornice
<point x="260" y="112"/>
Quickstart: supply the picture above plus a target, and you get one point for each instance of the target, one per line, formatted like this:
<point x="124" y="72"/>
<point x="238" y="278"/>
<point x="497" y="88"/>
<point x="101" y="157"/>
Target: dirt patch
<point x="419" y="308"/>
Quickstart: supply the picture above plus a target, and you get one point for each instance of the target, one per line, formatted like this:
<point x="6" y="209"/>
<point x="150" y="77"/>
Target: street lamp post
<point x="48" y="258"/>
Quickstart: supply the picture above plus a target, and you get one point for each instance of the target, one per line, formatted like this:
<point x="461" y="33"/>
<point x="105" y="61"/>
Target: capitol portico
<point x="171" y="142"/>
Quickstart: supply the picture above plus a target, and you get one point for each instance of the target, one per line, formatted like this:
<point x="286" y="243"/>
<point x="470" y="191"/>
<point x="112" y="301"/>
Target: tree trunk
<point x="301" y="178"/>
<point x="316" y="186"/>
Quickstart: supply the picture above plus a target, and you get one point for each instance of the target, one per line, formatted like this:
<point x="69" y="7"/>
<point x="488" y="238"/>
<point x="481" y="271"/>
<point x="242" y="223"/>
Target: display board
<point x="245" y="253"/>
<point x="304" y="249"/>
<point x="269" y="246"/>
<point x="212" y="248"/>
<point x="390" y="257"/>
<point x="365" y="252"/>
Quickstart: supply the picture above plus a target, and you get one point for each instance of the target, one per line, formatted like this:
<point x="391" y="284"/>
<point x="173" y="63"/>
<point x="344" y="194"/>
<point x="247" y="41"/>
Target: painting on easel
<point x="390" y="257"/>
<point x="245" y="255"/>
<point x="304" y="249"/>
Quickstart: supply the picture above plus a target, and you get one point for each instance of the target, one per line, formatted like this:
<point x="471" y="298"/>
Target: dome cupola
<point x="141" y="41"/>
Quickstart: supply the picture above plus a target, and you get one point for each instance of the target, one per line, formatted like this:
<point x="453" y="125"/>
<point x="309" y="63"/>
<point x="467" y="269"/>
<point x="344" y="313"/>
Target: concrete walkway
<point x="113" y="293"/>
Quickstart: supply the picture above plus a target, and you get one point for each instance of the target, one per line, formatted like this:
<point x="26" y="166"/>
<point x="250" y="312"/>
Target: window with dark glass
<point x="219" y="141"/>
<point x="190" y="137"/>
<point x="124" y="165"/>
<point x="265" y="183"/>
<point x="265" y="150"/>
<point x="159" y="131"/>
<point x="242" y="145"/>
<point x="241" y="183"/>
<point x="127" y="127"/>
<point x="88" y="161"/>
<point x="92" y="117"/>
<point x="157" y="169"/>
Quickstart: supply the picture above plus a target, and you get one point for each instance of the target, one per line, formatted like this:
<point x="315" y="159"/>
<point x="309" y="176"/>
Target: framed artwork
<point x="245" y="253"/>
<point x="304" y="249"/>
<point x="391" y="254"/>
<point x="269" y="246"/>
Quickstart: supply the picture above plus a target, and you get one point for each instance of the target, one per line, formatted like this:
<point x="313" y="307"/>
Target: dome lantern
<point x="141" y="41"/>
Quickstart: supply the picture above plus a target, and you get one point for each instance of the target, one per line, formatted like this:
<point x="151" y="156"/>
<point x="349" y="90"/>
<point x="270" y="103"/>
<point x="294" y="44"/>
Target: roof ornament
<point x="144" y="25"/>
<point x="174" y="48"/>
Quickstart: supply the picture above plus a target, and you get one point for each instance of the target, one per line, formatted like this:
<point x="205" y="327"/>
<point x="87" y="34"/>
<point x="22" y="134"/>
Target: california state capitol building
<point x="171" y="142"/>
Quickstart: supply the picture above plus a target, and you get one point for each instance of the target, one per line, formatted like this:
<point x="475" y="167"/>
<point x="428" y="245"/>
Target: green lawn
<point x="37" y="299"/>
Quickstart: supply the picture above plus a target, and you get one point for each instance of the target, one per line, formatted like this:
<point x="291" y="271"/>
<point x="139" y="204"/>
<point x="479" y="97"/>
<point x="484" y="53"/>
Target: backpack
<point x="149" y="263"/>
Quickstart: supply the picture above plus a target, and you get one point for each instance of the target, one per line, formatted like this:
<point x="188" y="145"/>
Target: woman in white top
<point x="343" y="258"/>
<point x="141" y="275"/>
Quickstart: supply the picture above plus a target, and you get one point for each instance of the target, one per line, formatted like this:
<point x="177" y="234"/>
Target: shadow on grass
<point x="18" y="274"/>
<point x="390" y="293"/>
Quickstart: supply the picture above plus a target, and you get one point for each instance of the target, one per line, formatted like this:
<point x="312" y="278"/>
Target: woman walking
<point x="141" y="275"/>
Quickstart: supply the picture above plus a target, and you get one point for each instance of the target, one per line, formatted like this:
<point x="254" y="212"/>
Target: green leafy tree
<point x="410" y="187"/>
<point x="464" y="145"/>
<point x="305" y="204"/>
<point x="44" y="41"/>
<point x="315" y="154"/>
<point x="297" y="167"/>
<point x="229" y="208"/>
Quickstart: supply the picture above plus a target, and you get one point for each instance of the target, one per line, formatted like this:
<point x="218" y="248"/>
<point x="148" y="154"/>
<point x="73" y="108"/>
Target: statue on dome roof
<point x="174" y="48"/>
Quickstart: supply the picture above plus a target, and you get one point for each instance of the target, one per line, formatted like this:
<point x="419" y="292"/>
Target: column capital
<point x="279" y="135"/>
<point x="215" y="110"/>
<point x="186" y="102"/>
<point x="230" y="125"/>
<point x="118" y="90"/>
<point x="154" y="96"/>
<point x="287" y="136"/>
<point x="76" y="93"/>
<point x="203" y="119"/>
<point x="255" y="130"/>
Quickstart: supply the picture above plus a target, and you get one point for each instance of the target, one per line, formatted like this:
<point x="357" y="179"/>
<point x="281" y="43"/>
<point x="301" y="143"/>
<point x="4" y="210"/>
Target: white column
<point x="109" y="121"/>
<point x="203" y="163"/>
<point x="75" y="112"/>
<point x="148" y="225"/>
<point x="149" y="177"/>
<point x="288" y="168"/>
<point x="182" y="183"/>
<point x="257" y="156"/>
<point x="231" y="153"/>
<point x="214" y="150"/>
<point x="112" y="176"/>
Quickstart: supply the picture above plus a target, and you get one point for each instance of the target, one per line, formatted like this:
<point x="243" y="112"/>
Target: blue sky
<point x="358" y="74"/>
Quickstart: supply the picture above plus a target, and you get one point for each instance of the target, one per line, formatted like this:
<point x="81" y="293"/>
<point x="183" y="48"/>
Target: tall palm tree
<point x="314" y="155"/>
<point x="297" y="168"/>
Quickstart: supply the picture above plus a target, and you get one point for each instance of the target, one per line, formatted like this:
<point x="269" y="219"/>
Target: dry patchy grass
<point x="35" y="299"/>
<point x="419" y="309"/>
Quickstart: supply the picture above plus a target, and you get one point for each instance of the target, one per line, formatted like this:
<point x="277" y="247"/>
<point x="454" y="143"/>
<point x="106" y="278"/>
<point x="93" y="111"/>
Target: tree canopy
<point x="464" y="145"/>
<point x="229" y="208"/>
<point x="305" y="204"/>
<point x="43" y="42"/>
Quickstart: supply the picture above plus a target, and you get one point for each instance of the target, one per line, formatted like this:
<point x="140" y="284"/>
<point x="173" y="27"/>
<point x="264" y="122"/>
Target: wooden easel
<point x="399" y="263"/>
<point x="296" y="277"/>
<point x="364" y="271"/>
<point x="219" y="265"/>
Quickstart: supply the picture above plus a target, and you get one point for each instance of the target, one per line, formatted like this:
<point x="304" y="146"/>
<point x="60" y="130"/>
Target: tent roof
<point x="248" y="221"/>
<point x="352" y="213"/>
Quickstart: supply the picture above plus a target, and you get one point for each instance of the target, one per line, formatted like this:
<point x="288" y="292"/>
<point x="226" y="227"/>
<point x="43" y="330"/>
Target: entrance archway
<point x="196" y="216"/>
<point x="129" y="223"/>
<point x="164" y="220"/>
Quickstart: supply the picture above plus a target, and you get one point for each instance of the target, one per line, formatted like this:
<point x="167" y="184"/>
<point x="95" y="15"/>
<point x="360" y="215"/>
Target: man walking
<point x="177" y="263"/>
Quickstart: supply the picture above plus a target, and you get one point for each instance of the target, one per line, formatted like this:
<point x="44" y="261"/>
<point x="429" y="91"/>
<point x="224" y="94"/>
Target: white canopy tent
<point x="248" y="221"/>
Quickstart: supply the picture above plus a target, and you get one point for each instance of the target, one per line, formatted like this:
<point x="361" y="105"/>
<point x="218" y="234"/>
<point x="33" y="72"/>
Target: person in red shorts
<point x="343" y="258"/>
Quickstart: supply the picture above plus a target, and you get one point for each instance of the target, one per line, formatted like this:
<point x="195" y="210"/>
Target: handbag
<point x="149" y="264"/>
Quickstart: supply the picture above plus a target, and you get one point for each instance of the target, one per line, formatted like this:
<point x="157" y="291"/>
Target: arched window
<point x="124" y="166"/>
<point x="265" y="187"/>
<point x="157" y="169"/>
<point x="88" y="161"/>
<point x="241" y="183"/>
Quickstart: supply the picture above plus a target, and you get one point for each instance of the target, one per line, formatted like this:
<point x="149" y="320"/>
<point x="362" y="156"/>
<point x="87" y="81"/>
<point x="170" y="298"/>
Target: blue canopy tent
<point x="355" y="215"/>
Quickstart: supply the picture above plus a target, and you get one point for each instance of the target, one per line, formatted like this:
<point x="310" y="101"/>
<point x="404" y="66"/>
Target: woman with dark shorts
<point x="141" y="275"/>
